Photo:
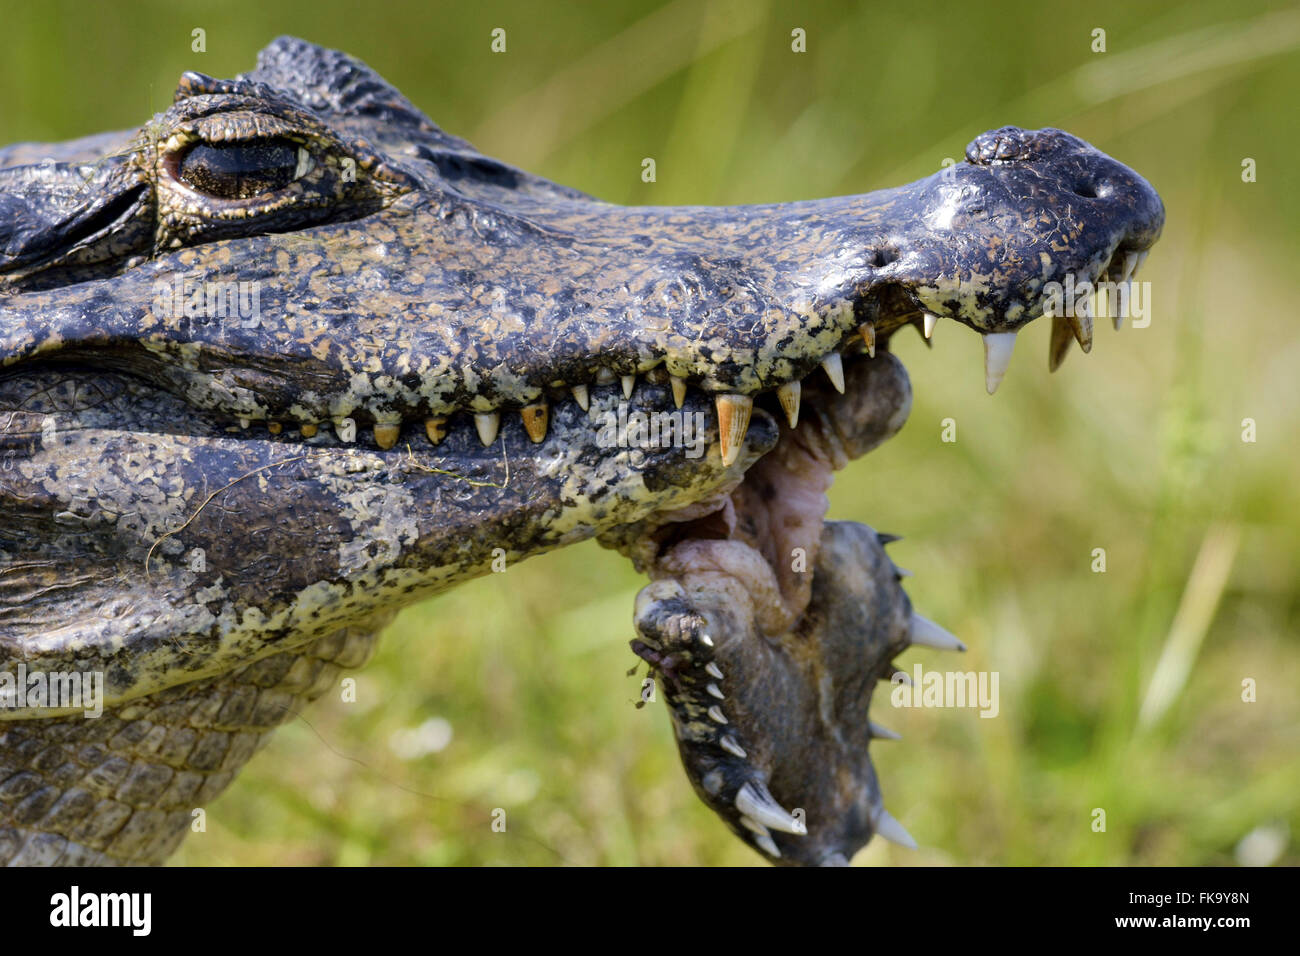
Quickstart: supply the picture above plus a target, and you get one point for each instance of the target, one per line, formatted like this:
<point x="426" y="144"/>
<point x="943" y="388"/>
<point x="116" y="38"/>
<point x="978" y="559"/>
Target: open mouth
<point x="743" y="624"/>
<point x="768" y="627"/>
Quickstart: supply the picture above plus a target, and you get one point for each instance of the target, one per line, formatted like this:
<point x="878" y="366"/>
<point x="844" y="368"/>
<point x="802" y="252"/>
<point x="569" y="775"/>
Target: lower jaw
<point x="768" y="627"/>
<point x="766" y="532"/>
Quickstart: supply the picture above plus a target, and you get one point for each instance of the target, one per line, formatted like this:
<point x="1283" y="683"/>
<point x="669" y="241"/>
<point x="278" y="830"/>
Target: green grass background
<point x="1135" y="448"/>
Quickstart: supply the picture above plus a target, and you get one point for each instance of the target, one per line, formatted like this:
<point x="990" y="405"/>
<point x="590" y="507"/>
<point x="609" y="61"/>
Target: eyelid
<point x="245" y="126"/>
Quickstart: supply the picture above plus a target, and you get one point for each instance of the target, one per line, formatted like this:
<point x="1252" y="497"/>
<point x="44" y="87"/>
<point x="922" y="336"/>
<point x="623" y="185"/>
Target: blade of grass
<point x="1191" y="622"/>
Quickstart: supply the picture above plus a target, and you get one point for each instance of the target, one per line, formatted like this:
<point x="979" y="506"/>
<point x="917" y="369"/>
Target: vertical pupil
<point x="240" y="170"/>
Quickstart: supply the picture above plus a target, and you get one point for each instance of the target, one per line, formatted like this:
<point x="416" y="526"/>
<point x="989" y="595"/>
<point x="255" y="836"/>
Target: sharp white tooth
<point x="753" y="800"/>
<point x="891" y="830"/>
<point x="715" y="691"/>
<point x="883" y="733"/>
<point x="834" y="367"/>
<point x="1130" y="264"/>
<point x="713" y="670"/>
<point x="244" y="423"/>
<point x="708" y="641"/>
<point x="902" y="572"/>
<point x="679" y="390"/>
<point x="767" y="844"/>
<point x="1062" y="339"/>
<point x="581" y="396"/>
<point x="1141" y="258"/>
<point x="629" y="383"/>
<point x="733" y="422"/>
<point x="868" y="332"/>
<point x="715" y="713"/>
<point x="788" y="395"/>
<point x="997" y="356"/>
<point x="930" y="321"/>
<point x="536" y="420"/>
<point x="605" y="376"/>
<point x="928" y="634"/>
<point x="487" y="424"/>
<point x="730" y="746"/>
<point x="753" y="826"/>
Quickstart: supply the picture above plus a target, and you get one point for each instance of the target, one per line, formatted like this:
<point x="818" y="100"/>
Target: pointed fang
<point x="1142" y="258"/>
<point x="487" y="424"/>
<point x="629" y="385"/>
<point x="883" y="733"/>
<point x="767" y="844"/>
<point x="679" y="390"/>
<point x="581" y="396"/>
<point x="891" y="830"/>
<point x="1082" y="327"/>
<point x="536" y="420"/>
<point x="1130" y="263"/>
<point x="1062" y="339"/>
<point x="755" y="802"/>
<point x="834" y="367"/>
<point x="868" y="333"/>
<point x="788" y="395"/>
<point x="733" y="422"/>
<point x="930" y="320"/>
<point x="928" y="634"/>
<point x="997" y="356"/>
<point x="730" y="746"/>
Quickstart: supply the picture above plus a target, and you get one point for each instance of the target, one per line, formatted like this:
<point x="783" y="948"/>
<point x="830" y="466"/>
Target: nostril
<point x="883" y="256"/>
<point x="1092" y="190"/>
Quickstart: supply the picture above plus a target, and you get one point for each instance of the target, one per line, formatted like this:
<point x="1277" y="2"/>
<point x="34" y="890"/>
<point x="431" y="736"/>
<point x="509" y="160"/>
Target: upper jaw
<point x="452" y="302"/>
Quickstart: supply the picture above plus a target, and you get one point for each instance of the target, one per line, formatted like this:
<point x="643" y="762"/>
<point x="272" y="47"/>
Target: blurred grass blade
<point x="607" y="79"/>
<point x="1192" y="620"/>
<point x="1186" y="54"/>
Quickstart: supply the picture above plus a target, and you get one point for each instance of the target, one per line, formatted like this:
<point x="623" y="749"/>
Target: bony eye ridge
<point x="242" y="170"/>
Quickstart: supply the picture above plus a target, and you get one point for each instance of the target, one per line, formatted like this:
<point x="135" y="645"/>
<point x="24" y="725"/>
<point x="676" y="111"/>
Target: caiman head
<point x="291" y="357"/>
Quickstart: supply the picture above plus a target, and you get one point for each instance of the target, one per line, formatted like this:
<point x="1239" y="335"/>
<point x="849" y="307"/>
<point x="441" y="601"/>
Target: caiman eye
<point x="242" y="170"/>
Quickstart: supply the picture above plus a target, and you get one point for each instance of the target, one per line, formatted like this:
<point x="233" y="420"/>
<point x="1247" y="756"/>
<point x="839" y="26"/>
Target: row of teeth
<point x="734" y="409"/>
<point x="760" y="812"/>
<point x="998" y="346"/>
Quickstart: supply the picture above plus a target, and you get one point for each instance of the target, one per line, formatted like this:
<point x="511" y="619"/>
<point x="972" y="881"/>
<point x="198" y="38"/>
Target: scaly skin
<point x="195" y="503"/>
